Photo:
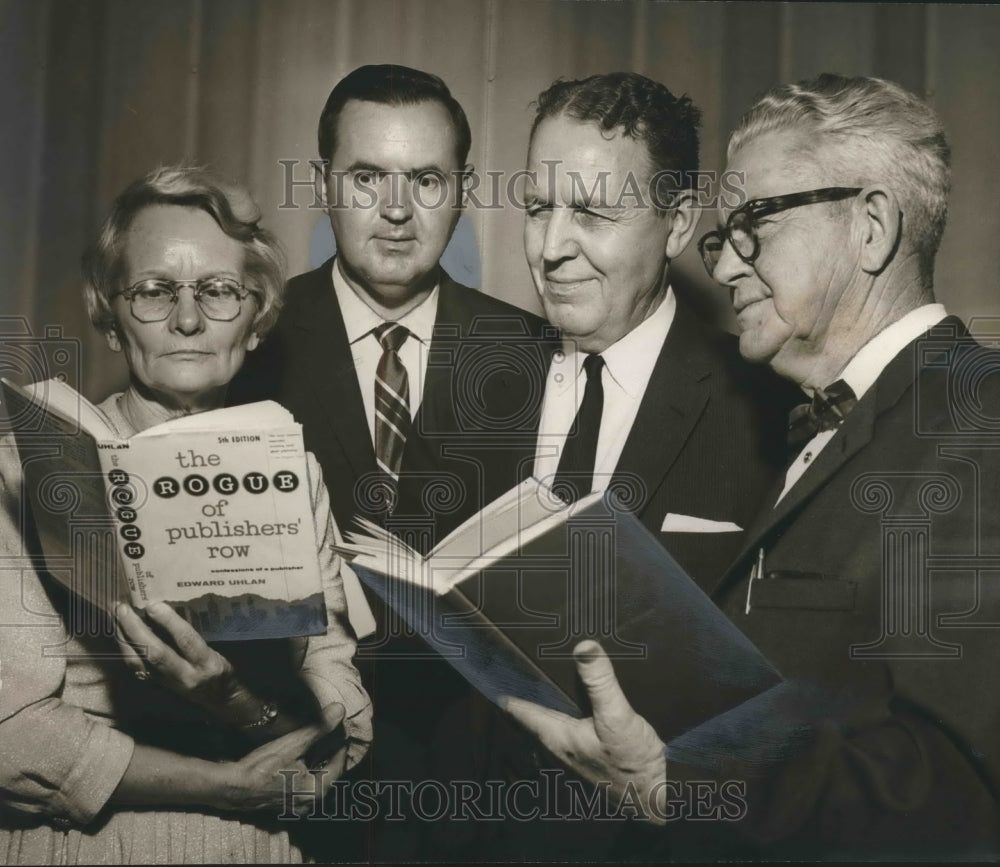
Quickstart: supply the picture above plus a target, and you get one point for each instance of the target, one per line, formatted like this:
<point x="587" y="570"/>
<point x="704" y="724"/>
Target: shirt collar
<point x="862" y="370"/>
<point x="630" y="360"/>
<point x="360" y="319"/>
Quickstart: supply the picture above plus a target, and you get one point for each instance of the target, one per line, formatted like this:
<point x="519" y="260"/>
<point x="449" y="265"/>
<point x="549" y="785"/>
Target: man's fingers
<point x="619" y="728"/>
<point x="608" y="702"/>
<point x="186" y="639"/>
<point x="549" y="726"/>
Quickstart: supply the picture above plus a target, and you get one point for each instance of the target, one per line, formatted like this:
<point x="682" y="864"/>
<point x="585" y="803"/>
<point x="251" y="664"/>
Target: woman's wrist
<point x="156" y="777"/>
<point x="224" y="791"/>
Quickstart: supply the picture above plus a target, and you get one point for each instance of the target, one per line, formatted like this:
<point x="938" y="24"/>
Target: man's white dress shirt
<point x="628" y="365"/>
<point x="360" y="320"/>
<point x="862" y="371"/>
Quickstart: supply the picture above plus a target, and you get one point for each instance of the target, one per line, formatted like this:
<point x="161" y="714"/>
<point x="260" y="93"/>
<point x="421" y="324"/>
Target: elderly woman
<point x="138" y="742"/>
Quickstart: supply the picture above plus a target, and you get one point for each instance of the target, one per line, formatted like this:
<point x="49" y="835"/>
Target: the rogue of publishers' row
<point x="194" y="484"/>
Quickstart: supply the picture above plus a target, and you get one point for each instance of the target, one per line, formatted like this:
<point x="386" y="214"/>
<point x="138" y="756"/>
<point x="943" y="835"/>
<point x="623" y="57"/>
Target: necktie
<point x="575" y="474"/>
<point x="392" y="400"/>
<point x="826" y="411"/>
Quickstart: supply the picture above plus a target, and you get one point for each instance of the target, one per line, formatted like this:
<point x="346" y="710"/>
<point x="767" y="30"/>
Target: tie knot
<point x="391" y="335"/>
<point x="826" y="411"/>
<point x="592" y="365"/>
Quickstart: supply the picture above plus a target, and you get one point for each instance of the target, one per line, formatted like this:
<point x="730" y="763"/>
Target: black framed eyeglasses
<point x="219" y="298"/>
<point x="741" y="227"/>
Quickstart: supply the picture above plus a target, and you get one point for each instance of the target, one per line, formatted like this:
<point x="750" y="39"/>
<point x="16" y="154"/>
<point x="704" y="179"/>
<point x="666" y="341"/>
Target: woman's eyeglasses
<point x="219" y="298"/>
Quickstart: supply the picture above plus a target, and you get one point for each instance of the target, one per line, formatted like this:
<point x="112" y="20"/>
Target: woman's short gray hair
<point x="230" y="205"/>
<point x="879" y="132"/>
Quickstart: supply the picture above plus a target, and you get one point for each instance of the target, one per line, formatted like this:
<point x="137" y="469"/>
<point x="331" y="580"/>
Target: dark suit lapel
<point x="437" y="411"/>
<point x="856" y="433"/>
<point x="330" y="370"/>
<point x="674" y="401"/>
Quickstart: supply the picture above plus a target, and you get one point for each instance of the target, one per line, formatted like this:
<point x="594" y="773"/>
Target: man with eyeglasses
<point x="869" y="577"/>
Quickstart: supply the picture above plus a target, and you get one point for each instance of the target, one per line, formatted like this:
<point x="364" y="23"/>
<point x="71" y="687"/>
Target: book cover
<point x="510" y="621"/>
<point x="209" y="512"/>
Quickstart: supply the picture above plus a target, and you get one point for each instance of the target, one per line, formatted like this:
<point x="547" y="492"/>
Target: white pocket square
<point x="690" y="524"/>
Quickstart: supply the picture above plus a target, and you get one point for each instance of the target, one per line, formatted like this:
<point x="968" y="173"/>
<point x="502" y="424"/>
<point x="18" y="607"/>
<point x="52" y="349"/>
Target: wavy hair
<point x="232" y="208"/>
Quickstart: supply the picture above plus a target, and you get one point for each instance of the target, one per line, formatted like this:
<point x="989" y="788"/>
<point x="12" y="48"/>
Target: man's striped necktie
<point x="392" y="400"/>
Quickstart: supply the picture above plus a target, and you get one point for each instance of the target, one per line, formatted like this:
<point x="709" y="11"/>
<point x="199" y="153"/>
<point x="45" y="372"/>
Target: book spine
<point x="122" y="498"/>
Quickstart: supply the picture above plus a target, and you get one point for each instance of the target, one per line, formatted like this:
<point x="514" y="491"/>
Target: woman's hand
<point x="275" y="776"/>
<point x="186" y="665"/>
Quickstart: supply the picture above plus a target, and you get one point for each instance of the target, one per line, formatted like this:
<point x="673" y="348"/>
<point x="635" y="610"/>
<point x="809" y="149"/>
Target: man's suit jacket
<point x="880" y="605"/>
<point x="472" y="438"/>
<point x="706" y="443"/>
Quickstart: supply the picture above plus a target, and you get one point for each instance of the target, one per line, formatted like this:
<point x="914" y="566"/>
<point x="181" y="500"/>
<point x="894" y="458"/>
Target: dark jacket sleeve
<point x="849" y="774"/>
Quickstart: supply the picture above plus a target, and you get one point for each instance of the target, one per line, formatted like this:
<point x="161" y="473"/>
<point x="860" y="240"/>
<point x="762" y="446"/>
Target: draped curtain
<point x="96" y="93"/>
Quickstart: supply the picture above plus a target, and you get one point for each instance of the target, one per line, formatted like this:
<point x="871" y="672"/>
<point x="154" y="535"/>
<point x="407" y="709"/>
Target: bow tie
<point x="826" y="411"/>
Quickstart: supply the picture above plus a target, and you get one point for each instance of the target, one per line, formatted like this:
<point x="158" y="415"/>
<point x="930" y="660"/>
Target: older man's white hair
<point x="867" y="131"/>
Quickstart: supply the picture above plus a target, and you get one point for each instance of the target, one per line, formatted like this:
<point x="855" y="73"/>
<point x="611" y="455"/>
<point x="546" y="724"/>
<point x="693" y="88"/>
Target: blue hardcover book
<point x="506" y="597"/>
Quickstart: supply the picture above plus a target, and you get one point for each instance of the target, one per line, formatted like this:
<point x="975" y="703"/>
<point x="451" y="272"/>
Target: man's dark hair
<point x="390" y="84"/>
<point x="667" y="125"/>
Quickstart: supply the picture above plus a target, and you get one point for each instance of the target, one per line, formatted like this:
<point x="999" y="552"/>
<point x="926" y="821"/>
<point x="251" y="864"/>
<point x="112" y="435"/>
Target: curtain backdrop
<point x="96" y="93"/>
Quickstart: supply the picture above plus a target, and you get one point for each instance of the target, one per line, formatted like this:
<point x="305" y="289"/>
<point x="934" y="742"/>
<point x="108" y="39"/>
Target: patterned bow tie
<point x="826" y="411"/>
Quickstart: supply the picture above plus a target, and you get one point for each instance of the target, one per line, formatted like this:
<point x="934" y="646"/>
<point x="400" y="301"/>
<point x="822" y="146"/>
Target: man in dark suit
<point x="644" y="398"/>
<point x="870" y="576"/>
<point x="394" y="144"/>
<point x="418" y="396"/>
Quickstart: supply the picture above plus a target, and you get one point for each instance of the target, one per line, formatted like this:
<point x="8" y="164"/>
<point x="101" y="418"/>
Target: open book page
<point x="504" y="531"/>
<point x="56" y="406"/>
<point x="377" y="548"/>
<point x="375" y="540"/>
<point x="57" y="433"/>
<point x="498" y="522"/>
<point x="485" y="529"/>
<point x="509" y="522"/>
